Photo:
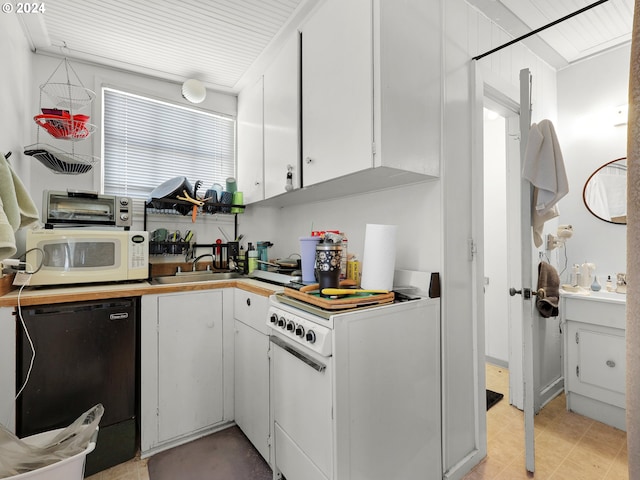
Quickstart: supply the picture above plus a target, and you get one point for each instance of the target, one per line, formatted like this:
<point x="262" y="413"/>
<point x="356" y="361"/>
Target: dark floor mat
<point x="225" y="455"/>
<point x="493" y="398"/>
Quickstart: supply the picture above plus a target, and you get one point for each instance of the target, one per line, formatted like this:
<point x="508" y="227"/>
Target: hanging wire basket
<point x="59" y="161"/>
<point x="68" y="96"/>
<point x="62" y="122"/>
<point x="64" y="126"/>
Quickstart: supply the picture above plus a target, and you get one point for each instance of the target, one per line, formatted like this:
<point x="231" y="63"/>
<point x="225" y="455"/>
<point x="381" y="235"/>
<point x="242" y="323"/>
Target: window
<point x="146" y="142"/>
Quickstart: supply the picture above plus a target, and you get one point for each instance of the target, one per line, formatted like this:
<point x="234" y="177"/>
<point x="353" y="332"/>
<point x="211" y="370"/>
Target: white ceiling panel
<point x="215" y="41"/>
<point x="603" y="26"/>
<point x="219" y="41"/>
<point x="606" y="25"/>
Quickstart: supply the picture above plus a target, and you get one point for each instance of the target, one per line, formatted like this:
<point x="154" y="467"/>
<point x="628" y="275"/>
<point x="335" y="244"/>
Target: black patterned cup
<point x="328" y="264"/>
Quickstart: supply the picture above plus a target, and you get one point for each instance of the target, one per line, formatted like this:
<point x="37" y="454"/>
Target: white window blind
<point x="146" y="142"/>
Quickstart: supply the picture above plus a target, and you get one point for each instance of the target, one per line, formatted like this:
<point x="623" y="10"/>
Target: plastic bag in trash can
<point x="18" y="457"/>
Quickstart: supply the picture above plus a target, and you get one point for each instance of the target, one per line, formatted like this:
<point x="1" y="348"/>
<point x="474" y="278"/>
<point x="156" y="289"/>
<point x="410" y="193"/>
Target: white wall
<point x="588" y="93"/>
<point x="14" y="97"/>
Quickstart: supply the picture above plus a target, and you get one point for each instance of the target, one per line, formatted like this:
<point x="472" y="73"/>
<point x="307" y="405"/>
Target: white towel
<point x="544" y="166"/>
<point x="17" y="209"/>
<point x="7" y="236"/>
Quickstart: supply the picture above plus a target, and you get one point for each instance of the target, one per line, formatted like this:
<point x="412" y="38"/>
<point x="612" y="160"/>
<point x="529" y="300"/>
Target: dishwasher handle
<point x="312" y="362"/>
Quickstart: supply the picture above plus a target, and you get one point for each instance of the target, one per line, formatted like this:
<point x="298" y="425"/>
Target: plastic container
<point x="308" y="256"/>
<point x="71" y="468"/>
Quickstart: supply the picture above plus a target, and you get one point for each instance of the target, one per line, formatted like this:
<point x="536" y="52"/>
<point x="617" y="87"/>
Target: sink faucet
<point x="194" y="265"/>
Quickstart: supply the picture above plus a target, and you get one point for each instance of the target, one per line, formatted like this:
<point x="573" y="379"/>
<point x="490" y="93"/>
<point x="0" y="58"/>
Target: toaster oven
<point x="76" y="208"/>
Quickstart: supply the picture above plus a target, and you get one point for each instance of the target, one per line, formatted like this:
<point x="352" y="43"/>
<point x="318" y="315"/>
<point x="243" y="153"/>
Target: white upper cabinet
<point x="282" y="119"/>
<point x="364" y="79"/>
<point x="337" y="91"/>
<point x="251" y="143"/>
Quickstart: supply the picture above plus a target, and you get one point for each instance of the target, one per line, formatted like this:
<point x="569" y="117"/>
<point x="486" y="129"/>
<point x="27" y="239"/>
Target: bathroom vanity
<point x="595" y="355"/>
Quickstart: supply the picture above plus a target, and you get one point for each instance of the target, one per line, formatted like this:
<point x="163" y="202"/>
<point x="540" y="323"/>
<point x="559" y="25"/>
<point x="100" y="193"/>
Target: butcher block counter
<point x="78" y="293"/>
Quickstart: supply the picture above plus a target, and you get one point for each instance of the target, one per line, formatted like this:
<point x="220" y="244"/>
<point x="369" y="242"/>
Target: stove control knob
<point x="291" y="326"/>
<point x="299" y="331"/>
<point x="274" y="318"/>
<point x="281" y="322"/>
<point x="311" y="336"/>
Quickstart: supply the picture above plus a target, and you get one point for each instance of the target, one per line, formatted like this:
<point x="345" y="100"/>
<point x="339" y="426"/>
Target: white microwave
<point x="70" y="256"/>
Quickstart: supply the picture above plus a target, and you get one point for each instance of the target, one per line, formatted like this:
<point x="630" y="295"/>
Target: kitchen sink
<point x="190" y="277"/>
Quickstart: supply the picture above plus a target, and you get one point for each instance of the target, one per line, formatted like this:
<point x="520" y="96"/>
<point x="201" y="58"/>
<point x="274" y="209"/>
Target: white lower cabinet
<point x="251" y="372"/>
<point x="183" y="368"/>
<point x="595" y="359"/>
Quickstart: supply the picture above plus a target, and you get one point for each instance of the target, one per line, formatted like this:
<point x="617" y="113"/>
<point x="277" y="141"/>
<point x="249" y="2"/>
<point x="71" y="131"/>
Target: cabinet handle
<point x="248" y="302"/>
<point x="308" y="160"/>
<point x="611" y="363"/>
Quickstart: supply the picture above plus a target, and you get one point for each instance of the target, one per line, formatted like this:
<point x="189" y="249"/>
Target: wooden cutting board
<point x="311" y="294"/>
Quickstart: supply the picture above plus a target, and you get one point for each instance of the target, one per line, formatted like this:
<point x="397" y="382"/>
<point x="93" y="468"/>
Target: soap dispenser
<point x="609" y="285"/>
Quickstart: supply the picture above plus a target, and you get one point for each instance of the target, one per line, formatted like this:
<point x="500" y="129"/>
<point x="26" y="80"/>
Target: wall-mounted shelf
<point x="185" y="208"/>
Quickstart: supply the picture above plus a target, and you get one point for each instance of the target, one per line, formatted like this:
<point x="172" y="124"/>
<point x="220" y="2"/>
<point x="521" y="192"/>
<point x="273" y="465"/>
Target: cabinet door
<point x="252" y="386"/>
<point x="250" y="143"/>
<point x="597" y="363"/>
<point x="282" y="119"/>
<point x="337" y="91"/>
<point x="190" y="383"/>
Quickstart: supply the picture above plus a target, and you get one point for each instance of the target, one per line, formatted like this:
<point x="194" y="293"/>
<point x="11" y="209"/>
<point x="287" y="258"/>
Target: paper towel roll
<point x="379" y="257"/>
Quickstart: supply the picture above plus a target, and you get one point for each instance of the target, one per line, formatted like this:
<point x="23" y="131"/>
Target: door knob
<point x="525" y="292"/>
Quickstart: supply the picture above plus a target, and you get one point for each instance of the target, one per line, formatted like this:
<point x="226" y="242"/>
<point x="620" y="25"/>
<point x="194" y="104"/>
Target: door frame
<point x="517" y="386"/>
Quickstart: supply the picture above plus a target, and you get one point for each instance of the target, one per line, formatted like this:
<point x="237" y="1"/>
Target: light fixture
<point x="194" y="91"/>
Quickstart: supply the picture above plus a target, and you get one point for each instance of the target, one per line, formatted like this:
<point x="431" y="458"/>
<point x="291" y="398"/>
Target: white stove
<point x="301" y="328"/>
<point x="355" y="395"/>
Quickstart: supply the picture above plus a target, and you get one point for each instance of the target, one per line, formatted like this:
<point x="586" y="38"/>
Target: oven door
<point x="301" y="397"/>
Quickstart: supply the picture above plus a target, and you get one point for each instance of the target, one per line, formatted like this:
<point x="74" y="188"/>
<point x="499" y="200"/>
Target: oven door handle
<point x="320" y="367"/>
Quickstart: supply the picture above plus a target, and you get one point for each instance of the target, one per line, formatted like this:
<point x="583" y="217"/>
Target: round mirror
<point x="605" y="193"/>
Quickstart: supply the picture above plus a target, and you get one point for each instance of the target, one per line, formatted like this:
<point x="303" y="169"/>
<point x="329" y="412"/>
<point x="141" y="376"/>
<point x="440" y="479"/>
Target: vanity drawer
<point x="587" y="310"/>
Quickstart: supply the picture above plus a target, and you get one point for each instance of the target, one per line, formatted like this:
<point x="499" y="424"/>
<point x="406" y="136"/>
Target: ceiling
<point x="214" y="41"/>
<point x="603" y="27"/>
<point x="220" y="42"/>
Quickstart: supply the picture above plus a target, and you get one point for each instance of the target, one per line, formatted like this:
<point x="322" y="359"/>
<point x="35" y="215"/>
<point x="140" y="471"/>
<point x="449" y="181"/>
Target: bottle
<point x="345" y="259"/>
<point x="575" y="275"/>
<point x="609" y="284"/>
<point x="253" y="258"/>
<point x="595" y="286"/>
<point x="242" y="259"/>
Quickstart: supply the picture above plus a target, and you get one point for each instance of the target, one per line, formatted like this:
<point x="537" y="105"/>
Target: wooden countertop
<point x="76" y="293"/>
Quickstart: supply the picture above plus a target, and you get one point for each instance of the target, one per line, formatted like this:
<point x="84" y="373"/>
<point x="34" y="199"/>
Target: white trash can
<point x="71" y="468"/>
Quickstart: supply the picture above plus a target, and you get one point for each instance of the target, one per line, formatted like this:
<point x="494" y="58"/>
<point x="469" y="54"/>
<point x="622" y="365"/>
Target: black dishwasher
<point x="85" y="353"/>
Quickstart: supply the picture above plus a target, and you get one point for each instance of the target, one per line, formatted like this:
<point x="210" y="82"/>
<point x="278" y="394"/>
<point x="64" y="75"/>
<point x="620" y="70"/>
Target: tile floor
<point x="568" y="446"/>
<point x="135" y="469"/>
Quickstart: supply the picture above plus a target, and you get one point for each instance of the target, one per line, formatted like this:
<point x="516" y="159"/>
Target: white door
<point x="527" y="277"/>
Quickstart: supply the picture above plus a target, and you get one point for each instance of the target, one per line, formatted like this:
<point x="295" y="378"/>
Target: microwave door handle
<point x="319" y="367"/>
